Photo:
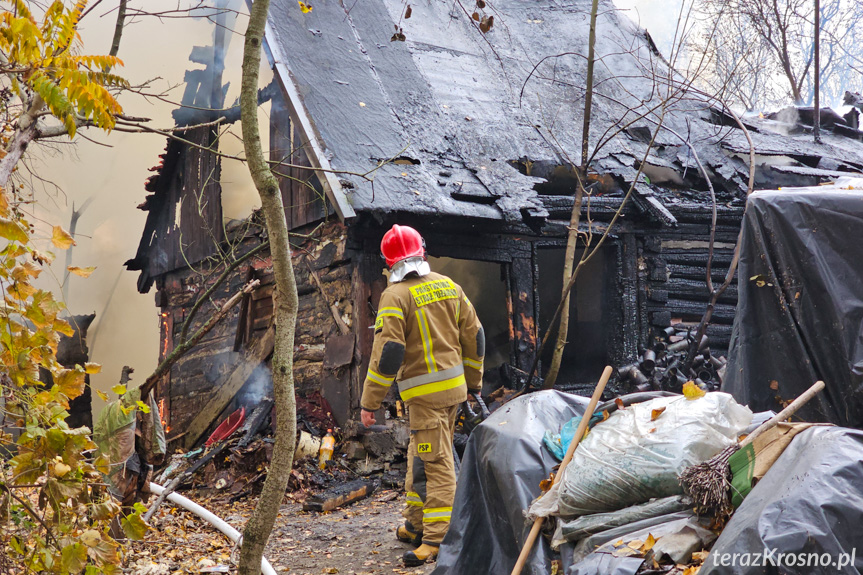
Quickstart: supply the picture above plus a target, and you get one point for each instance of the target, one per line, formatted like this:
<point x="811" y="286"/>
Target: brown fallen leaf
<point x="656" y="413"/>
<point x="700" y="556"/>
<point x="774" y="385"/>
<point x="635" y="544"/>
<point x="619" y="403"/>
<point x="624" y="551"/>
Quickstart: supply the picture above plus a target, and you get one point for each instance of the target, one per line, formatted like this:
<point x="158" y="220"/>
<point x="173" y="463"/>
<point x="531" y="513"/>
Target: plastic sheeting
<point x="500" y="474"/>
<point x="800" y="303"/>
<point x="810" y="503"/>
<point x="639" y="452"/>
<point x="114" y="433"/>
<point x="586" y="525"/>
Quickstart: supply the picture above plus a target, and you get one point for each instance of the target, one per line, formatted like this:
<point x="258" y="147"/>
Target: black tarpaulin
<point x="500" y="474"/>
<point x="810" y="504"/>
<point x="800" y="308"/>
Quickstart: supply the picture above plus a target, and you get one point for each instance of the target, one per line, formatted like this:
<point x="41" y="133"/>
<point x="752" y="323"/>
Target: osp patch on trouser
<point x="430" y="481"/>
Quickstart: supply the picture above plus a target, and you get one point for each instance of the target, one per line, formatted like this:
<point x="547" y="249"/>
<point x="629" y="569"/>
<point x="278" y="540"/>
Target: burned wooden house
<point x="471" y="138"/>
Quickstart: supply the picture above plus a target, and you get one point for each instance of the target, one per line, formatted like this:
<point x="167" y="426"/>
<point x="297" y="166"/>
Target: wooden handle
<point x="579" y="433"/>
<point x="785" y="413"/>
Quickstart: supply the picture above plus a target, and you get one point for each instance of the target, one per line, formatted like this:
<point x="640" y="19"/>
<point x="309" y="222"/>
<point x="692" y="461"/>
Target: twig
<point x="30" y="511"/>
<point x="334" y="309"/>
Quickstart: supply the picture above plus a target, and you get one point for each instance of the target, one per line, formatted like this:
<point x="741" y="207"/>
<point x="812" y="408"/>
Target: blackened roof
<point x="470" y="115"/>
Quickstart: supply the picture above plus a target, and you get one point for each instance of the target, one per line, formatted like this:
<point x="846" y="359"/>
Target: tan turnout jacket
<point x="429" y="341"/>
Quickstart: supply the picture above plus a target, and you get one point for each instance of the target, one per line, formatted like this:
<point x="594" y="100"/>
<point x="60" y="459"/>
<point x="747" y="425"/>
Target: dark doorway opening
<point x="486" y="289"/>
<point x="586" y="352"/>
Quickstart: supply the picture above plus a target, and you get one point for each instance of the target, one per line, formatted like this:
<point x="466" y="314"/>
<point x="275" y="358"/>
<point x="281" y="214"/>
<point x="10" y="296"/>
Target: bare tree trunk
<point x="572" y="235"/>
<point x="118" y="27"/>
<point x="25" y="132"/>
<point x="73" y="227"/>
<point x="568" y="263"/>
<point x="260" y="524"/>
<point x="816" y="117"/>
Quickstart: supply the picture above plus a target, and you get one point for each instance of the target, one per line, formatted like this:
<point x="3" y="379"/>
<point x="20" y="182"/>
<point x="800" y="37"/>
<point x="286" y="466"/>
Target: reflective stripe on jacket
<point x="427" y="338"/>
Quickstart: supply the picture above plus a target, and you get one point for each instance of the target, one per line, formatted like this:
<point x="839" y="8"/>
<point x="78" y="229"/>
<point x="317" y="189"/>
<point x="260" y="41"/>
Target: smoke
<point x="112" y="168"/>
<point x="258" y="386"/>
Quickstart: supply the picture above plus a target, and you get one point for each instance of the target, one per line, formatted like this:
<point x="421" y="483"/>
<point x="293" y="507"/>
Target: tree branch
<point x="184" y="347"/>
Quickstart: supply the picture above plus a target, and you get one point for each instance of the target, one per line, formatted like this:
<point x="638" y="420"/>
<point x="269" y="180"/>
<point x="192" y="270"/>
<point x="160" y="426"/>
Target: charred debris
<point x="366" y="133"/>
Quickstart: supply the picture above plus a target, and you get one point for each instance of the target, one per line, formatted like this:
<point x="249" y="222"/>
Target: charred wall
<point x="675" y="263"/>
<point x="211" y="380"/>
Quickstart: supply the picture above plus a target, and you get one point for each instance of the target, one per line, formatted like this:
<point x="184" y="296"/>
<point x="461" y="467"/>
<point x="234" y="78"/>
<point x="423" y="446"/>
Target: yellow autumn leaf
<point x="83" y="272"/>
<point x="650" y="542"/>
<point x="70" y="382"/>
<point x="656" y="413"/>
<point x="635" y="544"/>
<point x="92" y="368"/>
<point x="61" y="238"/>
<point x="692" y="570"/>
<point x="700" y="556"/>
<point x="692" y="391"/>
<point x="102" y="395"/>
<point x="119" y="389"/>
<point x="4" y="203"/>
<point x="61" y="469"/>
<point x="13" y="231"/>
<point x="304" y="7"/>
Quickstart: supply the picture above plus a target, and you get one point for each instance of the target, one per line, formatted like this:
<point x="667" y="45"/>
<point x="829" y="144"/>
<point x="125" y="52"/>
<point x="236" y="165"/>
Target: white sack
<point x="629" y="459"/>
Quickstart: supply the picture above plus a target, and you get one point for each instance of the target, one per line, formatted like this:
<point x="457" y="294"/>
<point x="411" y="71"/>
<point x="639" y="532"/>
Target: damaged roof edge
<point x="299" y="115"/>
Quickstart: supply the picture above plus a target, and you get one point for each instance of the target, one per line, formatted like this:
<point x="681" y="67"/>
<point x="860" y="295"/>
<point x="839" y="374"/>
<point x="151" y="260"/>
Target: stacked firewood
<point x="664" y="366"/>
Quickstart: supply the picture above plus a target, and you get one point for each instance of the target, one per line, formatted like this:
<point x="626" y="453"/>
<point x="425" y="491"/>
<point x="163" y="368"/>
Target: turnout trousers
<point x="430" y="481"/>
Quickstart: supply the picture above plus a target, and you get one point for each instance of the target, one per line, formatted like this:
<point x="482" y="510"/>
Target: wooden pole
<point x="790" y="410"/>
<point x="579" y="433"/>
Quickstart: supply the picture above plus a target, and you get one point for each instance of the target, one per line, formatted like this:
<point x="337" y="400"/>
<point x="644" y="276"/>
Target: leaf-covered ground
<point x="358" y="539"/>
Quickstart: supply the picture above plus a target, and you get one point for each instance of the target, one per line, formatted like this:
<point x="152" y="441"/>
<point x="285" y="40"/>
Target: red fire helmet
<point x="401" y="242"/>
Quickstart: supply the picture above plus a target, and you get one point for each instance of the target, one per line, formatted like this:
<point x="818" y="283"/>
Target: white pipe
<point x="211" y="518"/>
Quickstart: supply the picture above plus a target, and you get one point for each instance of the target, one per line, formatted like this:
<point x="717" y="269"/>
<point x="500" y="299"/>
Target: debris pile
<point x="620" y="506"/>
<point x="664" y="366"/>
<point x="232" y="464"/>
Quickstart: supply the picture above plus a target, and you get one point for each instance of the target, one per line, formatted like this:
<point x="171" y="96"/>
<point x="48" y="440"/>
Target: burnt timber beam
<point x="340" y="495"/>
<point x="301" y="119"/>
<point x="523" y="328"/>
<point x="627" y="262"/>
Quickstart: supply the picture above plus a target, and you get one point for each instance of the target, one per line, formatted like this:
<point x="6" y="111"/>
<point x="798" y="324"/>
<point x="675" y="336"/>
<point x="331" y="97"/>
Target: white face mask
<point x="415" y="264"/>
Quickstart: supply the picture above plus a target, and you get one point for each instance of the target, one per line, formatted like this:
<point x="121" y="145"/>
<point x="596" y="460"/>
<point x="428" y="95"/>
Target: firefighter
<point x="429" y="342"/>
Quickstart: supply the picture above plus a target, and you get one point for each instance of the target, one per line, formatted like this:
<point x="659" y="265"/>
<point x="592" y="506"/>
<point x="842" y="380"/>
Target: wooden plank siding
<point x="302" y="194"/>
<point x="195" y="378"/>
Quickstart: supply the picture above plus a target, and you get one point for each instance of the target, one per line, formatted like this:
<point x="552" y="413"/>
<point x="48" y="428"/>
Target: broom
<point x="579" y="433"/>
<point x="708" y="483"/>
